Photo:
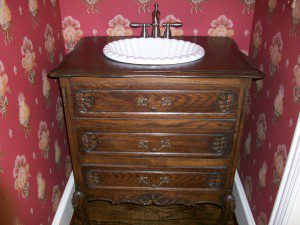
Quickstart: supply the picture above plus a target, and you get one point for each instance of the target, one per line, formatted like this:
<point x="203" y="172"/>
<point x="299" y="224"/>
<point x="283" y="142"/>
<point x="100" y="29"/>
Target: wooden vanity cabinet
<point x="155" y="135"/>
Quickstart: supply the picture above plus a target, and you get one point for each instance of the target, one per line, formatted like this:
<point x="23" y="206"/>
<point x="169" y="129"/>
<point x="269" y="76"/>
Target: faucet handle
<point x="144" y="26"/>
<point x="168" y="32"/>
<point x="175" y="24"/>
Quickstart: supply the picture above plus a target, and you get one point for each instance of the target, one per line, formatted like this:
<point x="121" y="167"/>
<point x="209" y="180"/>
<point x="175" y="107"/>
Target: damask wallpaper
<point x="231" y="18"/>
<point x="34" y="158"/>
<point x="34" y="34"/>
<point x="274" y="103"/>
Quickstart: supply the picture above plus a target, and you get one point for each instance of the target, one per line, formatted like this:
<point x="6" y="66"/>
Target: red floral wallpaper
<point x="232" y="18"/>
<point x="274" y="103"/>
<point x="34" y="161"/>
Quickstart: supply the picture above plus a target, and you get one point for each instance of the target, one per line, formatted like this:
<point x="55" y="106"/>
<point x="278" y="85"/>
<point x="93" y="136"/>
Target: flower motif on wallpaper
<point x="4" y="89"/>
<point x="262" y="175"/>
<point x="221" y="27"/>
<point x="262" y="219"/>
<point x="280" y="157"/>
<point x="44" y="139"/>
<point x="53" y="4"/>
<point x="71" y="32"/>
<point x="57" y="153"/>
<point x="92" y="5"/>
<point x="271" y="8"/>
<point x="144" y="5"/>
<point x="171" y="19"/>
<point x="41" y="184"/>
<point x="248" y="144"/>
<point x="278" y="104"/>
<point x="21" y="175"/>
<point x="5" y="21"/>
<point x="256" y="38"/>
<point x="119" y="26"/>
<point x="34" y="10"/>
<point x="275" y="53"/>
<point x="249" y="6"/>
<point x="261" y="128"/>
<point x="49" y="42"/>
<point x="295" y="19"/>
<point x="196" y="5"/>
<point x="28" y="59"/>
<point x="46" y="87"/>
<point x="296" y="91"/>
<point x="24" y="114"/>
<point x="68" y="166"/>
<point x="60" y="112"/>
<point x="259" y="86"/>
<point x="55" y="197"/>
<point x="248" y="187"/>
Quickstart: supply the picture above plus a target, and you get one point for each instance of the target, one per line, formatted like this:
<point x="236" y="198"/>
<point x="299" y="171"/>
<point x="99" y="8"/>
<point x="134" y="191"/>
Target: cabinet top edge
<point x="223" y="59"/>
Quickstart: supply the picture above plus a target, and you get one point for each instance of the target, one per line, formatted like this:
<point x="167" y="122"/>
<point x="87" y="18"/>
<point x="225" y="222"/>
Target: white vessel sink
<point x="153" y="51"/>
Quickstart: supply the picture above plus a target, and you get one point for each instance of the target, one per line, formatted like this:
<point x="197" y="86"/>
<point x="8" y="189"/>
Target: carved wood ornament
<point x="89" y="141"/>
<point x="214" y="180"/>
<point x="220" y="144"/>
<point x="225" y="102"/>
<point x="93" y="179"/>
<point x="157" y="199"/>
<point x="84" y="101"/>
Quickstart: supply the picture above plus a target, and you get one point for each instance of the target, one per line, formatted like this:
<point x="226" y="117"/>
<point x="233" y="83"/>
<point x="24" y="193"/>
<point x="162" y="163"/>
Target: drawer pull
<point x="165" y="102"/>
<point x="164" y="144"/>
<point x="163" y="180"/>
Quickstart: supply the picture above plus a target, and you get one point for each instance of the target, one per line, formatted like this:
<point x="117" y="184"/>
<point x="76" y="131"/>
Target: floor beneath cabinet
<point x="103" y="213"/>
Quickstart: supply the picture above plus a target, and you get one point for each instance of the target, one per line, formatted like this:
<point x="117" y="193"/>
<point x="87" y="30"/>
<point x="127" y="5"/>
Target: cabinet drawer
<point x="154" y="178"/>
<point x="95" y="102"/>
<point x="200" y="145"/>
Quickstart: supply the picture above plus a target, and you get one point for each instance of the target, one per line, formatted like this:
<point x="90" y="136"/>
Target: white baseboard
<point x="286" y="207"/>
<point x="65" y="210"/>
<point x="243" y="212"/>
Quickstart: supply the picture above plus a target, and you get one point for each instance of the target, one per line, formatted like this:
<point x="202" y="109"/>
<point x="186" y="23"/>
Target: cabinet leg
<point x="228" y="207"/>
<point x="78" y="202"/>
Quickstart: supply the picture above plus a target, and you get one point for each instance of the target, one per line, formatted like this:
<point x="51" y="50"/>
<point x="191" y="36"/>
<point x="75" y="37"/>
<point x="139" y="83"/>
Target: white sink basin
<point x="153" y="51"/>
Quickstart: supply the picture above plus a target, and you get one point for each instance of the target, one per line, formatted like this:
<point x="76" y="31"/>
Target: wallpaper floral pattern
<point x="275" y="103"/>
<point x="230" y="18"/>
<point x="34" y="158"/>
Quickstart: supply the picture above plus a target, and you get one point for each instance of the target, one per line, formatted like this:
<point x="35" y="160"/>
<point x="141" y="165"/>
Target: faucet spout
<point x="155" y="22"/>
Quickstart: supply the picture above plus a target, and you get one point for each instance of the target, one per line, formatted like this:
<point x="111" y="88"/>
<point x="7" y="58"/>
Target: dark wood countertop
<point x="222" y="59"/>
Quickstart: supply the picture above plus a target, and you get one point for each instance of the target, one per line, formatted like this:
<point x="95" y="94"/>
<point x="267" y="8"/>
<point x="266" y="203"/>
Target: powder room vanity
<point x="155" y="135"/>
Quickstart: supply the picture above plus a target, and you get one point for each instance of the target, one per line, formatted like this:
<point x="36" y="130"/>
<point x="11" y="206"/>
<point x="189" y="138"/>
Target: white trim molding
<point x="65" y="210"/>
<point x="288" y="196"/>
<point x="242" y="211"/>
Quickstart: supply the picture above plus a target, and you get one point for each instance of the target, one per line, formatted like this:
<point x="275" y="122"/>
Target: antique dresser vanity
<point x="155" y="135"/>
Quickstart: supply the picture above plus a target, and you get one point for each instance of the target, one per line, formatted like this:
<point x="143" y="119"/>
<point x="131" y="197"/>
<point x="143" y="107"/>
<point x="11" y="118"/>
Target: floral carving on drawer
<point x="89" y="141"/>
<point x="93" y="179"/>
<point x="220" y="145"/>
<point x="84" y="101"/>
<point x="225" y="102"/>
<point x="156" y="199"/>
<point x="214" y="181"/>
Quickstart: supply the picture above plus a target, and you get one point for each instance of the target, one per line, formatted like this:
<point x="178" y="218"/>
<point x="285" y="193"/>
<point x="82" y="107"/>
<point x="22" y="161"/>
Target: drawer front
<point x="94" y="102"/>
<point x="201" y="145"/>
<point x="147" y="178"/>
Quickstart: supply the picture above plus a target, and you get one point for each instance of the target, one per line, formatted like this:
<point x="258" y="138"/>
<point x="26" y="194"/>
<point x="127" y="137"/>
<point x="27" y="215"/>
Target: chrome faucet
<point x="156" y="26"/>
